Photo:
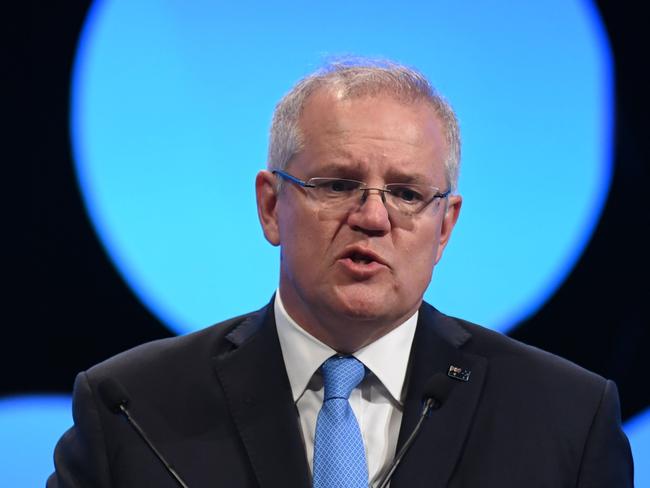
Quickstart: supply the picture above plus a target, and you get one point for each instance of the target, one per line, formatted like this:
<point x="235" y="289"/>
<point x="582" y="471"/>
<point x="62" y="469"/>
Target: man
<point x="324" y="385"/>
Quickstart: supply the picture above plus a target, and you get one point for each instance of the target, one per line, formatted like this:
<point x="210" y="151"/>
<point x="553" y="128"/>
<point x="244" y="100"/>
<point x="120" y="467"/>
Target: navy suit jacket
<point x="217" y="403"/>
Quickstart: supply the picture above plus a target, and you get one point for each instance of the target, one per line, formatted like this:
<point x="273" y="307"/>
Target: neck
<point x="345" y="333"/>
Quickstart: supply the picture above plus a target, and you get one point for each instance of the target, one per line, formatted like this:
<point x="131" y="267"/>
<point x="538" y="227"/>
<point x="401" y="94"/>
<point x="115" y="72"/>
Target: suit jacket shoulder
<point x="525" y="417"/>
<point x="199" y="398"/>
<point x="527" y="363"/>
<point x="174" y="351"/>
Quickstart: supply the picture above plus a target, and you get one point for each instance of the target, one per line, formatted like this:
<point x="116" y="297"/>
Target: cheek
<point x="302" y="239"/>
<point x="417" y="257"/>
<point x="417" y="273"/>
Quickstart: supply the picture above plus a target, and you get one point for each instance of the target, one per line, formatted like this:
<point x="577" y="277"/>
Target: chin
<point x="365" y="305"/>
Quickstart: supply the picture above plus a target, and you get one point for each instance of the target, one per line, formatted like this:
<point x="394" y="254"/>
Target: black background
<point x="68" y="307"/>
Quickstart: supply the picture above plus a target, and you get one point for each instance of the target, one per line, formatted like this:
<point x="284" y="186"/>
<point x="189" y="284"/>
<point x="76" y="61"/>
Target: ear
<point x="267" y="200"/>
<point x="448" y="222"/>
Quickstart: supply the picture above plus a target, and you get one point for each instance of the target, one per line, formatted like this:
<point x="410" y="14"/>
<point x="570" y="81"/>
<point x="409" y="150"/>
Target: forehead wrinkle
<point x="341" y="162"/>
<point x="345" y="149"/>
<point x="335" y="125"/>
<point x="346" y="136"/>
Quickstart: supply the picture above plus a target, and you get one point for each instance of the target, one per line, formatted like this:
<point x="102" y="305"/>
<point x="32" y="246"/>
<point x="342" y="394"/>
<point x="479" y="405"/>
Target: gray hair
<point x="354" y="78"/>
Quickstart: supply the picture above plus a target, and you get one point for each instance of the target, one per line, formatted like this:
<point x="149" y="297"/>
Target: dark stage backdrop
<point x="69" y="308"/>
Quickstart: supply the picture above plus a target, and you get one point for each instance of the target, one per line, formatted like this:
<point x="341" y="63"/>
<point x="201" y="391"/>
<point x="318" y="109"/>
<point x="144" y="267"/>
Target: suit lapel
<point x="257" y="389"/>
<point x="431" y="459"/>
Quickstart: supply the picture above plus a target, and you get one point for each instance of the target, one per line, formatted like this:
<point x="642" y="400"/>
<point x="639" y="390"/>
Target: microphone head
<point x="113" y="395"/>
<point x="437" y="388"/>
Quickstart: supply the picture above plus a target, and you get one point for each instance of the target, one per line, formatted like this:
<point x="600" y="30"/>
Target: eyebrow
<point x="338" y="169"/>
<point x="414" y="178"/>
<point x="399" y="177"/>
<point x="355" y="170"/>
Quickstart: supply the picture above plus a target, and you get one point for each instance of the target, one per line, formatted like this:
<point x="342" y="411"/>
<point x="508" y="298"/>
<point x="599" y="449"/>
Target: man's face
<point x="350" y="277"/>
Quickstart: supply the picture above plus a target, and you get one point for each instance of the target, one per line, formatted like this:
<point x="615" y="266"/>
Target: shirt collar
<point x="388" y="356"/>
<point x="303" y="354"/>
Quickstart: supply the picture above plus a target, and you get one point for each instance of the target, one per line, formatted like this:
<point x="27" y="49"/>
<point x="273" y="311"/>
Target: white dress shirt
<point x="378" y="400"/>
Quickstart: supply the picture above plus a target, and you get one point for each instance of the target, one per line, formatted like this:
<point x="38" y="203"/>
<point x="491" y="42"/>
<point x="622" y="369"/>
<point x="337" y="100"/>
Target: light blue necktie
<point x="339" y="456"/>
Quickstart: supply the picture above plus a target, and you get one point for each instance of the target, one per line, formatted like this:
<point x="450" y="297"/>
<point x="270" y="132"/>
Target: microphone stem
<point x="428" y="404"/>
<point x="137" y="428"/>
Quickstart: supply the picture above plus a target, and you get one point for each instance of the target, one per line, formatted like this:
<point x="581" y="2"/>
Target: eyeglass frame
<point x="364" y="189"/>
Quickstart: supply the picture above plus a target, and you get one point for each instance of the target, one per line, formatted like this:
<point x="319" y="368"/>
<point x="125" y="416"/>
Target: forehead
<point x="373" y="133"/>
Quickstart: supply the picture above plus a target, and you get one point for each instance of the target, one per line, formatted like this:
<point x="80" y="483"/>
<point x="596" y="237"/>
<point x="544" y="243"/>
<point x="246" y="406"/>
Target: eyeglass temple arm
<point x="295" y="180"/>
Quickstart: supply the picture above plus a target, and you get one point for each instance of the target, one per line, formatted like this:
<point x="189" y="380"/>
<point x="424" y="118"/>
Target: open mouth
<point x="361" y="258"/>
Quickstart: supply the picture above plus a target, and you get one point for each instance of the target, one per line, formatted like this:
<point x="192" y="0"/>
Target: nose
<point x="371" y="216"/>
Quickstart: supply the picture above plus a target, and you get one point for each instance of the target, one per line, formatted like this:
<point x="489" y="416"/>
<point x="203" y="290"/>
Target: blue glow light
<point x="29" y="429"/>
<point x="638" y="431"/>
<point x="168" y="97"/>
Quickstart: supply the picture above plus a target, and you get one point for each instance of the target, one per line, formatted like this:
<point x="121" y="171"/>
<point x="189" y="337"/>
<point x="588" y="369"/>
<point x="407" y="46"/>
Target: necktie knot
<point x="341" y="374"/>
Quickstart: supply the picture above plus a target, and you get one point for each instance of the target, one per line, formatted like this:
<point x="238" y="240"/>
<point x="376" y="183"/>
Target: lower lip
<point x="361" y="270"/>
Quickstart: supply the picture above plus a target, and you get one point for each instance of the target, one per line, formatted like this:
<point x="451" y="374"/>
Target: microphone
<point x="436" y="391"/>
<point x="116" y="399"/>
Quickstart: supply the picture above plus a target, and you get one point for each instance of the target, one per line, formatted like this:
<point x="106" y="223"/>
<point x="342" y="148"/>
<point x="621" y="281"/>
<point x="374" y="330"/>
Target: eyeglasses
<point x="405" y="198"/>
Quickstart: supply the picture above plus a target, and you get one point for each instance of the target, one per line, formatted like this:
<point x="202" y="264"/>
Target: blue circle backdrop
<point x="171" y="104"/>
